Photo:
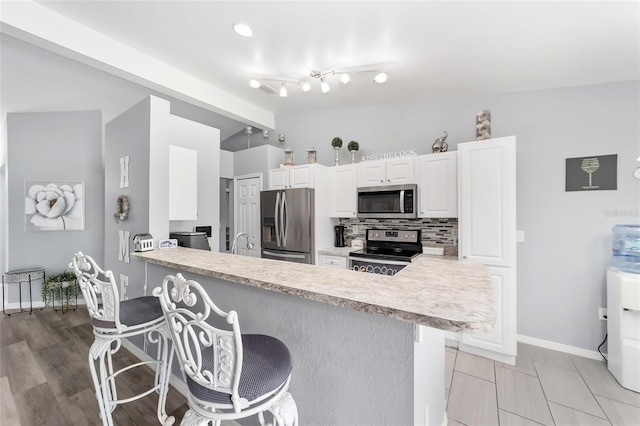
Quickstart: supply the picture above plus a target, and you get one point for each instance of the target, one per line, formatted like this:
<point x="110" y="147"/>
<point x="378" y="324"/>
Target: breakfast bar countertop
<point x="438" y="293"/>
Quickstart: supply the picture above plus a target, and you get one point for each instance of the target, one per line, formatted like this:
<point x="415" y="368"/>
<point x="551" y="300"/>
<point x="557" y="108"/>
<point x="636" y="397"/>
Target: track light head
<point x="344" y="78"/>
<point x="306" y="87"/>
<point x="283" y="91"/>
<point x="324" y="86"/>
<point x="254" y="83"/>
<point x="380" y="77"/>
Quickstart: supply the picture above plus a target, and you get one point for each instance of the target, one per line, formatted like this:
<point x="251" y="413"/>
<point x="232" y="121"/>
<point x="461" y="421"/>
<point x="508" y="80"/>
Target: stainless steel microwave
<point x="388" y="202"/>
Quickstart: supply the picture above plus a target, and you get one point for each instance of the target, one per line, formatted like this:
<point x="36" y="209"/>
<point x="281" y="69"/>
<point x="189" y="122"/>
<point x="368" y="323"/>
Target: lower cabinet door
<point x="499" y="343"/>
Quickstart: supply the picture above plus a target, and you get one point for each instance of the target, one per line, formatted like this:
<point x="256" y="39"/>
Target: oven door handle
<point x="381" y="261"/>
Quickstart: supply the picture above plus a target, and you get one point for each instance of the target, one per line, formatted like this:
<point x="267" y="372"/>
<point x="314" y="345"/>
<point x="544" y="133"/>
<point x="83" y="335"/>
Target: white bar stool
<point x="229" y="375"/>
<point x="114" y="320"/>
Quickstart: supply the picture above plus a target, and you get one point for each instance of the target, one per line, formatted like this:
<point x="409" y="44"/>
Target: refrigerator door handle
<point x="284" y="219"/>
<point x="402" y="201"/>
<point x="284" y="255"/>
<point x="275" y="215"/>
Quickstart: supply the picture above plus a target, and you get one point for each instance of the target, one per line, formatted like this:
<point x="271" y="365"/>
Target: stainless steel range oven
<point x="386" y="251"/>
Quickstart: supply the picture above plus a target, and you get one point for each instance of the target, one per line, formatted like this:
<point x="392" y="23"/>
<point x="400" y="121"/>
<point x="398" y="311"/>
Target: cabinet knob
<point x="381" y="180"/>
<point x="464" y="257"/>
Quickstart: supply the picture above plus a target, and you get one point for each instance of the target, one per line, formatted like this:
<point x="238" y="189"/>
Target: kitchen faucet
<point x="235" y="240"/>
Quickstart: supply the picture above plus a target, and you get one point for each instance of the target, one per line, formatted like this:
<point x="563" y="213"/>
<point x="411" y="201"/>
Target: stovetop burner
<point x="391" y="244"/>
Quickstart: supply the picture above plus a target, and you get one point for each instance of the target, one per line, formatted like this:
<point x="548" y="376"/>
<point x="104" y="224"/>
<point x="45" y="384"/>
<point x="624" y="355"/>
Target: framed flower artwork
<point x="54" y="206"/>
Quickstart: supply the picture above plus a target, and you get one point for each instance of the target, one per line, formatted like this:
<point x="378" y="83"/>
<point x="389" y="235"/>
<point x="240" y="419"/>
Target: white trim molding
<point x="560" y="347"/>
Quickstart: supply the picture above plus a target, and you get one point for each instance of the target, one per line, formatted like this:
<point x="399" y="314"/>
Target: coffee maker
<point x="339" y="236"/>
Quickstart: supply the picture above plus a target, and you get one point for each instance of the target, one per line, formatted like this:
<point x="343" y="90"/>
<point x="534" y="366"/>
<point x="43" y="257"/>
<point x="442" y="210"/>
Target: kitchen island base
<point x="349" y="367"/>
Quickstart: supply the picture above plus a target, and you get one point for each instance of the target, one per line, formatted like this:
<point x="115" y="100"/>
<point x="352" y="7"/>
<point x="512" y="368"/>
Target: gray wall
<point x="55" y="147"/>
<point x="562" y="263"/>
<point x="144" y="133"/>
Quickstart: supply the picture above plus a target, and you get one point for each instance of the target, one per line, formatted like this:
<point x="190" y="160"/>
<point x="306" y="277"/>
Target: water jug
<point x="625" y="246"/>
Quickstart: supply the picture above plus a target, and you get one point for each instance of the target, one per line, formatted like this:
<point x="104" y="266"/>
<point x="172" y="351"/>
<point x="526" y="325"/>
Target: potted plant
<point x="336" y="143"/>
<point x="54" y="285"/>
<point x="353" y="146"/>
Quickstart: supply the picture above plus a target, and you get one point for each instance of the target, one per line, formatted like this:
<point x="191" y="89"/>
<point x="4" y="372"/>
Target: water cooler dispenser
<point x="623" y="307"/>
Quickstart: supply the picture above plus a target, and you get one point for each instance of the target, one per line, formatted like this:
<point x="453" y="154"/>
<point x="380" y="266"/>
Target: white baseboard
<point x="36" y="305"/>
<point x="560" y="347"/>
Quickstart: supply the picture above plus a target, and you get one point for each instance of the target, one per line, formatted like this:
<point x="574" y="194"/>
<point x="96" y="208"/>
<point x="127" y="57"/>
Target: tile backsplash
<point x="435" y="232"/>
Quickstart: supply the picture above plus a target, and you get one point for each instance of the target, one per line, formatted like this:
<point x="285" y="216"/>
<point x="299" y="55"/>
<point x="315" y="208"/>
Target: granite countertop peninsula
<point x="439" y="293"/>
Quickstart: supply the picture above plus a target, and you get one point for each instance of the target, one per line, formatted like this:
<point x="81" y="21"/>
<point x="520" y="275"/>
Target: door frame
<point x="235" y="197"/>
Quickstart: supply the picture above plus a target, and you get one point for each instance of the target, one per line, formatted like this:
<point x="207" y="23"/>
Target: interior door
<point x="247" y="216"/>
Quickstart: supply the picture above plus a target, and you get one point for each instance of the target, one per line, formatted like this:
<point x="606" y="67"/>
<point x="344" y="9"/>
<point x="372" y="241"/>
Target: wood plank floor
<point x="45" y="377"/>
<point x="45" y="380"/>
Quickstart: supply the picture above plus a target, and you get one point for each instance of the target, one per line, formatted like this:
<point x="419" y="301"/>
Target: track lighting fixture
<point x="258" y="82"/>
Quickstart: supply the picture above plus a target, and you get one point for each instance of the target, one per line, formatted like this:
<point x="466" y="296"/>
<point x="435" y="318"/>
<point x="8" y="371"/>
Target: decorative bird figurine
<point x="440" y="145"/>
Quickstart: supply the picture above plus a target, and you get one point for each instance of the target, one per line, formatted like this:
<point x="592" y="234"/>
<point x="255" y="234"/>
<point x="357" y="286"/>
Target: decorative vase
<point x="353" y="156"/>
<point x="288" y="156"/>
<point x="311" y="155"/>
<point x="337" y="149"/>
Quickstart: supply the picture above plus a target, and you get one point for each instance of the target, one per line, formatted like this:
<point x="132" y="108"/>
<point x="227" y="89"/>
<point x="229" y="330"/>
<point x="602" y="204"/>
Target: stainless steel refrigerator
<point x="287" y="220"/>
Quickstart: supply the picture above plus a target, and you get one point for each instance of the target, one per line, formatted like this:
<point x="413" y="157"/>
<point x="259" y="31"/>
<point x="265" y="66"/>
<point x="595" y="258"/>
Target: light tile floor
<point x="544" y="387"/>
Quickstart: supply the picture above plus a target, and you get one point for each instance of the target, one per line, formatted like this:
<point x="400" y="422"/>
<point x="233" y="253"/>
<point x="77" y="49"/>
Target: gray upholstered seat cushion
<point x="266" y="365"/>
<point x="135" y="312"/>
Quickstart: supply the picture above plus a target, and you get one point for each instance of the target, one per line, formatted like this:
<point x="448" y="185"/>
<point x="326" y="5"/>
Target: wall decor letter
<point x="124" y="172"/>
<point x="123" y="247"/>
<point x="124" y="283"/>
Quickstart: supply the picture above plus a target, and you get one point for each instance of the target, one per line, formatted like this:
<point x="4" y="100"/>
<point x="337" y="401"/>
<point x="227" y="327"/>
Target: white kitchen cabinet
<point x="344" y="196"/>
<point x="501" y="341"/>
<point x="302" y="176"/>
<point x="437" y="176"/>
<point x="487" y="235"/>
<point x="333" y="261"/>
<point x="387" y="172"/>
<point x="183" y="183"/>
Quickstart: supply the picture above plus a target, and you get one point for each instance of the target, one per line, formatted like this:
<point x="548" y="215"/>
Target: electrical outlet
<point x="602" y="314"/>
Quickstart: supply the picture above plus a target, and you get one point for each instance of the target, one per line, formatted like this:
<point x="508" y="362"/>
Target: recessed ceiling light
<point x="344" y="78"/>
<point x="243" y="30"/>
<point x="254" y="83"/>
<point x="380" y="77"/>
<point x="306" y="87"/>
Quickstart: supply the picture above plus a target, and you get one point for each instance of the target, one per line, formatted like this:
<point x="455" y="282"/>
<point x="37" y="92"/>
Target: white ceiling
<point x="433" y="49"/>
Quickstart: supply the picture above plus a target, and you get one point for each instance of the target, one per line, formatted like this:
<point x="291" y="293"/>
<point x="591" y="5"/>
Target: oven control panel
<point x="391" y="235"/>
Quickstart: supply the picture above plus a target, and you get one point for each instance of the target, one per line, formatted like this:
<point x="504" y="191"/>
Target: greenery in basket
<point x="52" y="285"/>
<point x="353" y="146"/>
<point x="336" y="142"/>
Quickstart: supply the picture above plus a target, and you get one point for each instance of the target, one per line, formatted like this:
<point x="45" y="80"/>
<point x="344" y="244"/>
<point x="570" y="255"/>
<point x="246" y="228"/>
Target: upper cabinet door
<point x="438" y="184"/>
<point x="279" y="178"/>
<point x="183" y="183"/>
<point x="400" y="170"/>
<point x="301" y="176"/>
<point x="344" y="190"/>
<point x="487" y="201"/>
<point x="372" y="173"/>
<point x="386" y="172"/>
